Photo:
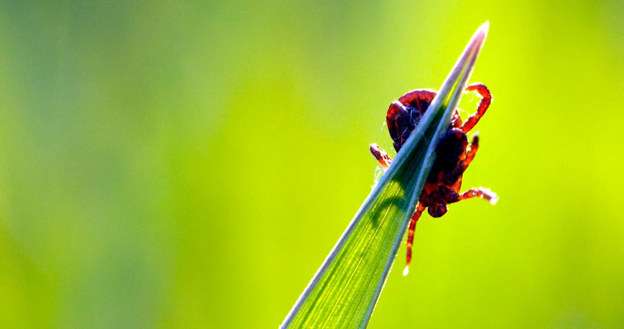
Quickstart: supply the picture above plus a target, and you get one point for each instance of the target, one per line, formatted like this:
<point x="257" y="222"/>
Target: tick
<point x="453" y="155"/>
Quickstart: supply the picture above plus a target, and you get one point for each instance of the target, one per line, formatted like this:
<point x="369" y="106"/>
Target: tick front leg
<point x="381" y="155"/>
<point x="398" y="122"/>
<point x="410" y="236"/>
<point x="480" y="192"/>
<point x="486" y="100"/>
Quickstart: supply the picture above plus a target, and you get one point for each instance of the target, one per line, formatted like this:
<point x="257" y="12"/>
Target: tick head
<point x="437" y="209"/>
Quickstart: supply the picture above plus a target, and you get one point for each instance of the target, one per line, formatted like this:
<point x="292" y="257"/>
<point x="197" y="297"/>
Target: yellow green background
<point x="188" y="164"/>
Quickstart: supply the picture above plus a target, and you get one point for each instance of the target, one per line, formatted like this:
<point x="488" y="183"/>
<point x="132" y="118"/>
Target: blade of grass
<point x="345" y="289"/>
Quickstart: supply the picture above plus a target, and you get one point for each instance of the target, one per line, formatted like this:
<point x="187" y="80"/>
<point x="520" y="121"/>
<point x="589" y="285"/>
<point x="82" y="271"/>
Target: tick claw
<point x="494" y="199"/>
<point x="490" y="196"/>
<point x="406" y="270"/>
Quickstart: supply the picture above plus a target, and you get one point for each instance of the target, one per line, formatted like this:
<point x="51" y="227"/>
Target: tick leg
<point x="480" y="192"/>
<point x="410" y="236"/>
<point x="398" y="121"/>
<point x="486" y="99"/>
<point x="380" y="155"/>
<point x="456" y="121"/>
<point x="404" y="114"/>
<point x="474" y="146"/>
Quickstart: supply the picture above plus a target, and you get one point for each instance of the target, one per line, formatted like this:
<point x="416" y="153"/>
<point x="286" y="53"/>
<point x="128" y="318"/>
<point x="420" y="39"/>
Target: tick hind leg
<point x="486" y="100"/>
<point x="479" y="192"/>
<point x="410" y="235"/>
<point x="484" y="193"/>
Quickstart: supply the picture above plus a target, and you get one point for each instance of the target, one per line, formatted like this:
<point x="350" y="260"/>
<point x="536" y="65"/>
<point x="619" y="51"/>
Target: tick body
<point x="453" y="154"/>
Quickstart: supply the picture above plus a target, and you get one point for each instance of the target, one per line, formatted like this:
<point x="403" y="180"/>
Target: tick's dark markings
<point x="452" y="154"/>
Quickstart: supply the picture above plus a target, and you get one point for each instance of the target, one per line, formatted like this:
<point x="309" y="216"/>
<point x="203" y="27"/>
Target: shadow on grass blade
<point x="345" y="289"/>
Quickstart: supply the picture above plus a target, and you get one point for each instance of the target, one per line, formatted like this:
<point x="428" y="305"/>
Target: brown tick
<point x="452" y="154"/>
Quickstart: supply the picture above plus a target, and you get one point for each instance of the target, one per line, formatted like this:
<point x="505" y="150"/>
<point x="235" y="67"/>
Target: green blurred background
<point x="190" y="164"/>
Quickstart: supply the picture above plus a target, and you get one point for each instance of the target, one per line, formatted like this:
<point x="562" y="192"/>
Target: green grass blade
<point x="344" y="291"/>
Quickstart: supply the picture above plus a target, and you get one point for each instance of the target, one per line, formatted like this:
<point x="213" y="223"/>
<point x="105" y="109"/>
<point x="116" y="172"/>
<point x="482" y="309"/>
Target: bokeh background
<point x="189" y="164"/>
